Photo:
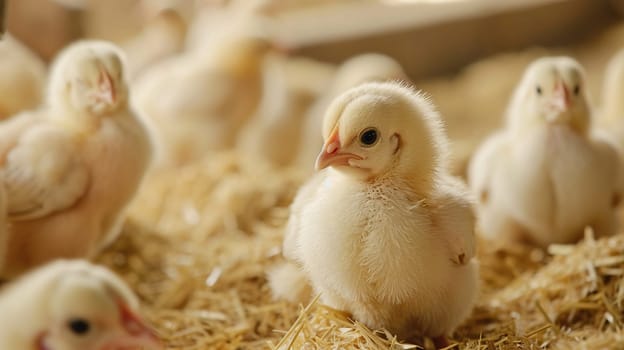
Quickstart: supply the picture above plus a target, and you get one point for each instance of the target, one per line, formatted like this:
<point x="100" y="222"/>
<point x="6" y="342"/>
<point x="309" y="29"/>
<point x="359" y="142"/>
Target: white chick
<point x="357" y="70"/>
<point x="197" y="103"/>
<point x="161" y="37"/>
<point x="22" y="78"/>
<point x="384" y="232"/>
<point x="278" y="119"/>
<point x="546" y="175"/>
<point x="72" y="305"/>
<point x="612" y="114"/>
<point x="218" y="20"/>
<point x="71" y="168"/>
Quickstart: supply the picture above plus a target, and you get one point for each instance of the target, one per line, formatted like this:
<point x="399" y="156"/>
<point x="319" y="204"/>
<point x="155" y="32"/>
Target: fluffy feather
<point x="161" y="37"/>
<point x="357" y="70"/>
<point x="279" y="118"/>
<point x="385" y="233"/>
<point x="547" y="175"/>
<point x="197" y="102"/>
<point x="38" y="311"/>
<point x="287" y="281"/>
<point x="71" y="167"/>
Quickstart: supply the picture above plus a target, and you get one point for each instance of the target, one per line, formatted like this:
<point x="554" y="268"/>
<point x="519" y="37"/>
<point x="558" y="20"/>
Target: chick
<point x="382" y="231"/>
<point x="547" y="175"/>
<point x="72" y="305"/>
<point x="219" y="20"/>
<point x="161" y="37"/>
<point x="197" y="103"/>
<point x="71" y="168"/>
<point x="22" y="78"/>
<point x="360" y="69"/>
<point x="278" y="119"/>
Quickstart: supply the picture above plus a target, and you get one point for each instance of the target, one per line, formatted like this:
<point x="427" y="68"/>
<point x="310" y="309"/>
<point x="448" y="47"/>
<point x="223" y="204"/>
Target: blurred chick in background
<point x="547" y="175"/>
<point x="71" y="167"/>
<point x="161" y="37"/>
<point x="277" y="120"/>
<point x="72" y="305"/>
<point x="385" y="233"/>
<point x="290" y="87"/>
<point x="353" y="72"/>
<point x="216" y="19"/>
<point x="22" y="78"/>
<point x="197" y="102"/>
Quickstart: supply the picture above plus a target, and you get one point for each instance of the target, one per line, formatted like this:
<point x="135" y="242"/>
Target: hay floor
<point x="199" y="239"/>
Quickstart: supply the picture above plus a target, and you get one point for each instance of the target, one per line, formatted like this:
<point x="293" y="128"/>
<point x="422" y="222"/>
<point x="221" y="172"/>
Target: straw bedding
<point x="199" y="240"/>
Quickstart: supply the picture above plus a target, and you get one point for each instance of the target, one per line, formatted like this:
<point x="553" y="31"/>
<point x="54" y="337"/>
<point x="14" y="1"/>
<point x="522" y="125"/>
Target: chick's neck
<point x="79" y="121"/>
<point x="415" y="170"/>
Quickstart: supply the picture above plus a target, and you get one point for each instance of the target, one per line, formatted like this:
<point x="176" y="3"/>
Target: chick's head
<point x="379" y="129"/>
<point x="89" y="77"/>
<point x="89" y="308"/>
<point x="552" y="92"/>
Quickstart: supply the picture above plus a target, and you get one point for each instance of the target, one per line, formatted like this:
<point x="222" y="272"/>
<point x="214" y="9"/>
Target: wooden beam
<point x="430" y="48"/>
<point x="2" y="18"/>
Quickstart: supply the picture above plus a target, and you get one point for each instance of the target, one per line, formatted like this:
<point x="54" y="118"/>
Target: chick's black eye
<point x="577" y="89"/>
<point x="79" y="326"/>
<point x="539" y="90"/>
<point x="368" y="137"/>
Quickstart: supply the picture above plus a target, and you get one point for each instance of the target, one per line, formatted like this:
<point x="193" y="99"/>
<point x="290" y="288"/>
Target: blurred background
<point x="467" y="54"/>
<point x="428" y="37"/>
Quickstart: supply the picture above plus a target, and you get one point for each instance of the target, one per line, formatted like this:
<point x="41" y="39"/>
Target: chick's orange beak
<point x="561" y="98"/>
<point x="136" y="334"/>
<point x="331" y="154"/>
<point x="106" y="88"/>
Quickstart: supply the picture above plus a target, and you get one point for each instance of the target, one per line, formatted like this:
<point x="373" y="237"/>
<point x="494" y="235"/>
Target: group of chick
<point x="385" y="233"/>
<point x="69" y="167"/>
<point x="382" y="230"/>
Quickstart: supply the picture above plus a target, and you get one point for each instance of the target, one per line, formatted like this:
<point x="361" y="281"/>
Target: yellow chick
<point x="383" y="231"/>
<point x="547" y="175"/>
<point x="71" y="168"/>
<point x="278" y="119"/>
<point x="72" y="305"/>
<point x="218" y="20"/>
<point x="161" y="37"/>
<point x="197" y="103"/>
<point x="22" y="78"/>
<point x="357" y="70"/>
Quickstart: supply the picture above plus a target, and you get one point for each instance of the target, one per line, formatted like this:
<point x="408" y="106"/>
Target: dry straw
<point x="199" y="241"/>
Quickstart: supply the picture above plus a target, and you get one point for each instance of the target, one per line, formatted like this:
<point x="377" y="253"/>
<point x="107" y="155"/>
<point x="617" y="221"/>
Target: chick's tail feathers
<point x="288" y="281"/>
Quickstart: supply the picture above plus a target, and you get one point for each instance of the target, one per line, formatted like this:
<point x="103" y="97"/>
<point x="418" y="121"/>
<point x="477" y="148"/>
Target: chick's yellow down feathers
<point x="197" y="103"/>
<point x="71" y="167"/>
<point x="383" y="231"/>
<point x="547" y="174"/>
<point x="72" y="305"/>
